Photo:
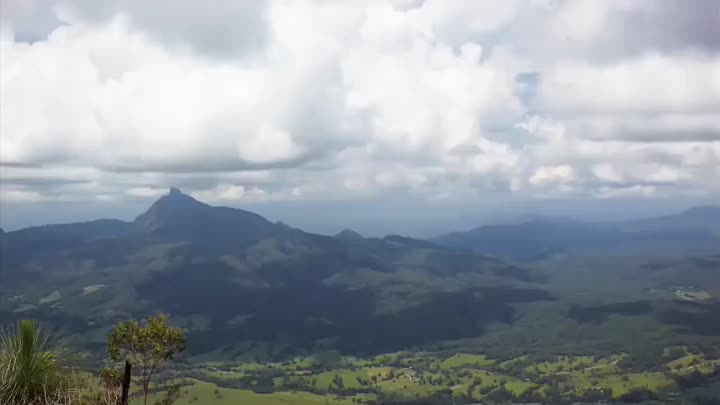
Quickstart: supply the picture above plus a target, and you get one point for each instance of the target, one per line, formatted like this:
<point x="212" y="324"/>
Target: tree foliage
<point x="146" y="347"/>
<point x="111" y="382"/>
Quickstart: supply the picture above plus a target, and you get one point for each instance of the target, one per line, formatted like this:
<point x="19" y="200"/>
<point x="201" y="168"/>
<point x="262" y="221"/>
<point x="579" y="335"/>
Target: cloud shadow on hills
<point x="694" y="317"/>
<point x="600" y="313"/>
<point x="299" y="309"/>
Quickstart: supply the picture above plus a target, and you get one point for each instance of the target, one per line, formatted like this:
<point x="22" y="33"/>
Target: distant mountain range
<point x="703" y="218"/>
<point x="245" y="278"/>
<point x="234" y="279"/>
<point x="175" y="216"/>
<point x="696" y="228"/>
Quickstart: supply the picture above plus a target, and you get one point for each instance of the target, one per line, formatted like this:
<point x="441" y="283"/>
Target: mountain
<point x="245" y="288"/>
<point x="48" y="237"/>
<point x="528" y="240"/>
<point x="696" y="228"/>
<point x="235" y="279"/>
<point x="348" y="234"/>
<point x="179" y="216"/>
<point x="704" y="218"/>
<point x="174" y="217"/>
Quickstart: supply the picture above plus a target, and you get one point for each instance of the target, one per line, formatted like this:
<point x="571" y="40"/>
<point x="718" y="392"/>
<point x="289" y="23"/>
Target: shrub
<point x="29" y="368"/>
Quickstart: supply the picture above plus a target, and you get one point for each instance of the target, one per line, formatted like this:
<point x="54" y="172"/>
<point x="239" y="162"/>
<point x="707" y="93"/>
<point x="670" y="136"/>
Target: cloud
<point x="553" y="174"/>
<point x="218" y="29"/>
<point x="275" y="100"/>
<point x="651" y="98"/>
<point x="627" y="192"/>
<point x="140" y="107"/>
<point x="650" y="84"/>
<point x="606" y="31"/>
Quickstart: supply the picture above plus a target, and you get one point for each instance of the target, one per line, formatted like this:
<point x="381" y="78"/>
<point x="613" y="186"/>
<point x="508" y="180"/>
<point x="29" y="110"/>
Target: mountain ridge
<point x="349" y="234"/>
<point x="176" y="197"/>
<point x="222" y="266"/>
<point x="179" y="217"/>
<point x="235" y="280"/>
<point x="538" y="238"/>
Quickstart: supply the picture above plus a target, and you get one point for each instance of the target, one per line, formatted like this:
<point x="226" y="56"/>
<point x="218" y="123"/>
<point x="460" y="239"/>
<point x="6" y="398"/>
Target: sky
<point x="383" y="115"/>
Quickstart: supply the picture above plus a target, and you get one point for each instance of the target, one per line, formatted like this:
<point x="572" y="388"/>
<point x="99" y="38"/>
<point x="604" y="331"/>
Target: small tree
<point x="172" y="394"/>
<point x="146" y="347"/>
<point x="111" y="380"/>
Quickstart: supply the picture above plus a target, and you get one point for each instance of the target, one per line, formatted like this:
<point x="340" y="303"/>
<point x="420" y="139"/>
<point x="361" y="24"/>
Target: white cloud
<point x="607" y="173"/>
<point x="232" y="192"/>
<point x="627" y="192"/>
<point x="146" y="192"/>
<point x="552" y="175"/>
<point x="21" y="196"/>
<point x="276" y="100"/>
<point x="653" y="83"/>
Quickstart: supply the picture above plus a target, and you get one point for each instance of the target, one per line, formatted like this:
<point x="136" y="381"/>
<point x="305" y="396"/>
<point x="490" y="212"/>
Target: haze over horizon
<point x="388" y="116"/>
<point x="376" y="218"/>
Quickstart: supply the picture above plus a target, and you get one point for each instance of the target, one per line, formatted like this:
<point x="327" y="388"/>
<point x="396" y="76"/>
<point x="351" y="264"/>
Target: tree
<point x="111" y="380"/>
<point x="173" y="393"/>
<point x="29" y="370"/>
<point x="329" y="359"/>
<point x="146" y="347"/>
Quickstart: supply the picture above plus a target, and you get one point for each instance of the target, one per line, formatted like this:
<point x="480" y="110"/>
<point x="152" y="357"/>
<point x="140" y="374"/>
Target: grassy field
<point x="201" y="393"/>
<point x="512" y="362"/>
<point x="622" y="384"/>
<point x="465" y="360"/>
<point x="421" y="374"/>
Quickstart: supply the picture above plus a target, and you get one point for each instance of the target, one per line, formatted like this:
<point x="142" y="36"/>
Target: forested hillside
<point x="249" y="291"/>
